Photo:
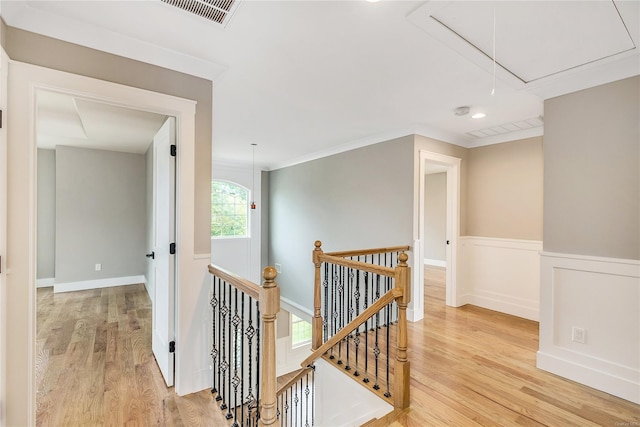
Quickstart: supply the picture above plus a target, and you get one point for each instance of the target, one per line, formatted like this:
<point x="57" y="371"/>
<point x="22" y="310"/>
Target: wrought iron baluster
<point x="340" y="322"/>
<point x="356" y="339"/>
<point x="214" y="349"/>
<point x="289" y="410"/>
<point x="376" y="348"/>
<point x="307" y="392"/>
<point x="230" y="350"/>
<point x="350" y="311"/>
<point x="250" y="332"/>
<point x="366" y="327"/>
<point x="313" y="394"/>
<point x="388" y="314"/>
<point x="325" y="319"/>
<point x="242" y="358"/>
<point x="259" y="324"/>
<point x="223" y="367"/>
<point x="334" y="306"/>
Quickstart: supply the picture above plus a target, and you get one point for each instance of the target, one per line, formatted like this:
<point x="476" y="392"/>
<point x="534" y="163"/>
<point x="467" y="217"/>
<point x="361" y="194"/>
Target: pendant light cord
<point x="493" y="89"/>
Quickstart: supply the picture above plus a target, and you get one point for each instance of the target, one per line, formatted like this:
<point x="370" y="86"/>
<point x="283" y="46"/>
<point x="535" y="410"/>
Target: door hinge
<point x="172" y="347"/>
<point x="174" y="150"/>
<point x="172" y="248"/>
<point x="0" y="119"/>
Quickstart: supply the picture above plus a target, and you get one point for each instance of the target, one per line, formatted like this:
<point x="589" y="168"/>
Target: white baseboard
<point x="622" y="387"/>
<point x="501" y="275"/>
<point x="98" y="283"/>
<point x="504" y="303"/>
<point x="600" y="296"/>
<point x="45" y="283"/>
<point x="435" y="262"/>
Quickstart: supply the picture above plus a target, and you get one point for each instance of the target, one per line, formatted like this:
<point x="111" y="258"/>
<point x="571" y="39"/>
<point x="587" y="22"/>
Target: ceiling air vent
<point x="219" y="11"/>
<point x="535" y="122"/>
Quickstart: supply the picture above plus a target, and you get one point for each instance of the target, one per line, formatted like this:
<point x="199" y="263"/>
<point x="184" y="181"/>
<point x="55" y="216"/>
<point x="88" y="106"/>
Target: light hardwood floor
<point x="95" y="366"/>
<point x="469" y="367"/>
<point x="476" y="367"/>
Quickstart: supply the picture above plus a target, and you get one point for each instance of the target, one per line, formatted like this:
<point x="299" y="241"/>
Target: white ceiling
<point x="307" y="78"/>
<point x="71" y="121"/>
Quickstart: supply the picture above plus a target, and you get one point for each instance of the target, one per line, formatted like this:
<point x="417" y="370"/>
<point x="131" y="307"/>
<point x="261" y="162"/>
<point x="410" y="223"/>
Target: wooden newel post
<point x="316" y="333"/>
<point x="269" y="308"/>
<point x="402" y="366"/>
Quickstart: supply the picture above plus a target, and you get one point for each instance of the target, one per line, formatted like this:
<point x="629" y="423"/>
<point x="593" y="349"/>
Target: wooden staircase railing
<point x="244" y="334"/>
<point x="351" y="271"/>
<point x="244" y="346"/>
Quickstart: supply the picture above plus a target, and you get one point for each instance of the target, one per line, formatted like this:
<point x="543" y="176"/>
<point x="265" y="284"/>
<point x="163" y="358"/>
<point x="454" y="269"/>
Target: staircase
<point x="359" y="335"/>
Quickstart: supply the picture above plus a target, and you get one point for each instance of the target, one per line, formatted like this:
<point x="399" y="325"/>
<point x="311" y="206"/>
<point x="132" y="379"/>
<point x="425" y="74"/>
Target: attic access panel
<point x="533" y="39"/>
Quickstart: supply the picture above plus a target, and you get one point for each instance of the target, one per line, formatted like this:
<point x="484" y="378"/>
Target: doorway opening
<point x="106" y="196"/>
<point x="25" y="80"/>
<point x="439" y="195"/>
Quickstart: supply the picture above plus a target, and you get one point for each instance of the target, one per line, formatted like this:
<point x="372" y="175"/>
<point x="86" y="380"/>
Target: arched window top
<point x="229" y="209"/>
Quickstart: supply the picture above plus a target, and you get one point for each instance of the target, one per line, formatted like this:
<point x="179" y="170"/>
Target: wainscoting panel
<point x="501" y="275"/>
<point x="599" y="299"/>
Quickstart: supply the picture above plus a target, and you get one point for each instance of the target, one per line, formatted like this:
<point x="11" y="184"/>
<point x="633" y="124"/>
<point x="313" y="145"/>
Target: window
<point x="300" y="331"/>
<point x="229" y="209"/>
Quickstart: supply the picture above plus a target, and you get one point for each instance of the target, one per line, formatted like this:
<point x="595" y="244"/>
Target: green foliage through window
<point x="229" y="209"/>
<point x="300" y="331"/>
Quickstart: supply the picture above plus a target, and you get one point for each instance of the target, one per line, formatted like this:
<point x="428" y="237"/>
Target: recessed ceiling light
<point x="478" y="115"/>
<point x="373" y="1"/>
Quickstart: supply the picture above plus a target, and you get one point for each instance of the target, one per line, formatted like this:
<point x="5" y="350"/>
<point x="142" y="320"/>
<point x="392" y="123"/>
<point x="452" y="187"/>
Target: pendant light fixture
<point x="253" y="177"/>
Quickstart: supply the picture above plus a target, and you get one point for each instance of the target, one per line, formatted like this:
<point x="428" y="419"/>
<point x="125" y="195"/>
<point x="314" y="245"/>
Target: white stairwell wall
<point x="341" y="401"/>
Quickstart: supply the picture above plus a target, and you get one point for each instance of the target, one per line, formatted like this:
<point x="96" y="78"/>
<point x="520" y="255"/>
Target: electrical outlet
<point x="578" y="335"/>
<point x="278" y="268"/>
<point x="98" y="267"/>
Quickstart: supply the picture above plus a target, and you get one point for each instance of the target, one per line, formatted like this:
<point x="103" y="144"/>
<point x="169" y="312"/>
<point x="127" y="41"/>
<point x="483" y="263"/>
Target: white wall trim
<point x="46" y="282"/>
<point x="435" y="262"/>
<point x="97" y="283"/>
<point x="502" y="275"/>
<point x="192" y="277"/>
<point x="297" y="309"/>
<point x="622" y="261"/>
<point x="601" y="295"/>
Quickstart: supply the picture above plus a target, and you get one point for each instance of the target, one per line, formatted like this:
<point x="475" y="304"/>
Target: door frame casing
<point x="4" y="64"/>
<point x="452" y="165"/>
<point x="25" y="80"/>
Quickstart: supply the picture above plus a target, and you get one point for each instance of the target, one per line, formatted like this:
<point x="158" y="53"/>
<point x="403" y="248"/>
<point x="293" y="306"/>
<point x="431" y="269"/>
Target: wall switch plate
<point x="278" y="268"/>
<point x="98" y="267"/>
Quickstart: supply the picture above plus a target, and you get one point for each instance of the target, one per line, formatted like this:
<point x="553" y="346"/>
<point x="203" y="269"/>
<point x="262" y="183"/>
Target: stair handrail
<point x="371" y="251"/>
<point x="401" y="293"/>
<point x="385" y="299"/>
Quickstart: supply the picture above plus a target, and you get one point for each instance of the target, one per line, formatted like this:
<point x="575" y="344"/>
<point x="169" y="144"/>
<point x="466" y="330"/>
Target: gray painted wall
<point x="592" y="171"/>
<point x="100" y="214"/>
<point x="46" y="222"/>
<point x="358" y="199"/>
<point x="435" y="216"/>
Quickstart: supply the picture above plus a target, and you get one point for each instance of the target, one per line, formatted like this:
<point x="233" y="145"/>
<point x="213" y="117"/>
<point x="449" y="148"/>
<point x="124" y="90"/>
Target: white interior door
<point x="163" y="300"/>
